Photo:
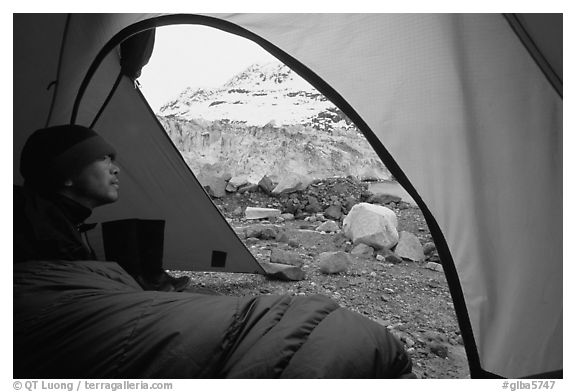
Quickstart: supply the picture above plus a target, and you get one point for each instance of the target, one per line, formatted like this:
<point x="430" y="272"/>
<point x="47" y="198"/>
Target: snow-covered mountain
<point x="267" y="120"/>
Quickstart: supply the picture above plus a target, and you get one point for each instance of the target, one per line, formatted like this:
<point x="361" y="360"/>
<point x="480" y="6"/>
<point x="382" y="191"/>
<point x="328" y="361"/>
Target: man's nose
<point x="115" y="169"/>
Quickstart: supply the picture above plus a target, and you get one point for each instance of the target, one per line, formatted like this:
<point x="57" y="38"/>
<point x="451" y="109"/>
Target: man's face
<point x="96" y="184"/>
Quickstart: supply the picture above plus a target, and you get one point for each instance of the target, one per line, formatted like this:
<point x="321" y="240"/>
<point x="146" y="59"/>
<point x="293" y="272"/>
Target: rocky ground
<point x="412" y="301"/>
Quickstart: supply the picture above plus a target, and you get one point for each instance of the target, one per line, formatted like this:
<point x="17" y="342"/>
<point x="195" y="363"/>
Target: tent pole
<point x="55" y="82"/>
<point x="518" y="28"/>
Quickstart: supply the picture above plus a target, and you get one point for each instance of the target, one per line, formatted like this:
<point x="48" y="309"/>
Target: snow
<point x="261" y="94"/>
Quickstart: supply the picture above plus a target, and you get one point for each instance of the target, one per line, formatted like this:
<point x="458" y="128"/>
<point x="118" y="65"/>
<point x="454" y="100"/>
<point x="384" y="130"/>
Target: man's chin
<point x="110" y="198"/>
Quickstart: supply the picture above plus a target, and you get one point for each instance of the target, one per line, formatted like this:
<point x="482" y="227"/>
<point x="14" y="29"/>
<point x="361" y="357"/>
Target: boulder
<point x="231" y="188"/>
<point x="362" y="250"/>
<point x="293" y="243"/>
<point x="283" y="272"/>
<point x="428" y="248"/>
<point x="333" y="212"/>
<point x="261" y="213"/>
<point x="266" y="185"/>
<point x="383" y="198"/>
<point x="432" y="336"/>
<point x="287" y="216"/>
<point x="434" y="258"/>
<point x="320" y="216"/>
<point x="434" y="266"/>
<point x="365" y="195"/>
<point x="392" y="259"/>
<point x="372" y="225"/>
<point x="312" y="200"/>
<point x="248" y="188"/>
<point x="333" y="262"/>
<point x="313" y="205"/>
<point x="251" y="240"/>
<point x="409" y="247"/>
<point x="292" y="183"/>
<point x="328" y="227"/>
<point x="261" y="232"/>
<point x="291" y="207"/>
<point x="281" y="256"/>
<point x="439" y="349"/>
<point x="238" y="181"/>
<point x="215" y="186"/>
<point x="283" y="237"/>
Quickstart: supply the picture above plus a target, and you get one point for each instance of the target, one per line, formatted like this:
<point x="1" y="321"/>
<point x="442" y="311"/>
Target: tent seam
<point x="56" y="82"/>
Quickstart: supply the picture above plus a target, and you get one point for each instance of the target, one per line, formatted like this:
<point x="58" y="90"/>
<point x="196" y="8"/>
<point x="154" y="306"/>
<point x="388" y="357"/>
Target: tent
<point x="464" y="109"/>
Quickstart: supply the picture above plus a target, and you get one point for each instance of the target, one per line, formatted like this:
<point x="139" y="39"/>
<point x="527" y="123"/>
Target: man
<point x="69" y="170"/>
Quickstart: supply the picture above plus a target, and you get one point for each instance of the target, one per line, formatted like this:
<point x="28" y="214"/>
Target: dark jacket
<point x="47" y="227"/>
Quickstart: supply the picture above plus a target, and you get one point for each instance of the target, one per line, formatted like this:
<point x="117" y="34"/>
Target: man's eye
<point x="106" y="160"/>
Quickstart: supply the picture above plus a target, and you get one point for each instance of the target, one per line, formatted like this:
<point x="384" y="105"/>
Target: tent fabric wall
<point x="477" y="128"/>
<point x="457" y="102"/>
<point x="36" y="53"/>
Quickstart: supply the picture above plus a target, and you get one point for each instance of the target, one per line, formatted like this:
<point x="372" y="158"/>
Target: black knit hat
<point x="52" y="154"/>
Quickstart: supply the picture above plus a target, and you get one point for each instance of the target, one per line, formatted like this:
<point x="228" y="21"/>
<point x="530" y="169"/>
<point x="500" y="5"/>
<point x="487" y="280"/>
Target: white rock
<point x="329" y="227"/>
<point x="292" y="183"/>
<point x="434" y="266"/>
<point x="231" y="188"/>
<point x="409" y="247"/>
<point x="261" y="213"/>
<point x="372" y="225"/>
<point x="238" y="181"/>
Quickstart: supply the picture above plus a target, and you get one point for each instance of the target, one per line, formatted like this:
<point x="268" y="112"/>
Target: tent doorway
<point x="252" y="122"/>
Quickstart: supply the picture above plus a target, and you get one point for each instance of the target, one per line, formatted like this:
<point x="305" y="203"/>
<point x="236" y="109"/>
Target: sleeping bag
<point x="90" y="319"/>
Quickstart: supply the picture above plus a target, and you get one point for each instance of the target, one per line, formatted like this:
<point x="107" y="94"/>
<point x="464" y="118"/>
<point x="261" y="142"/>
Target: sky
<point x="194" y="56"/>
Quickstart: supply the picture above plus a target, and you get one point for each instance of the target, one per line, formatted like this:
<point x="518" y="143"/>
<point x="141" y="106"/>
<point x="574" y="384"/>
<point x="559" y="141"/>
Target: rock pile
<point x="298" y="195"/>
<point x="362" y="224"/>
